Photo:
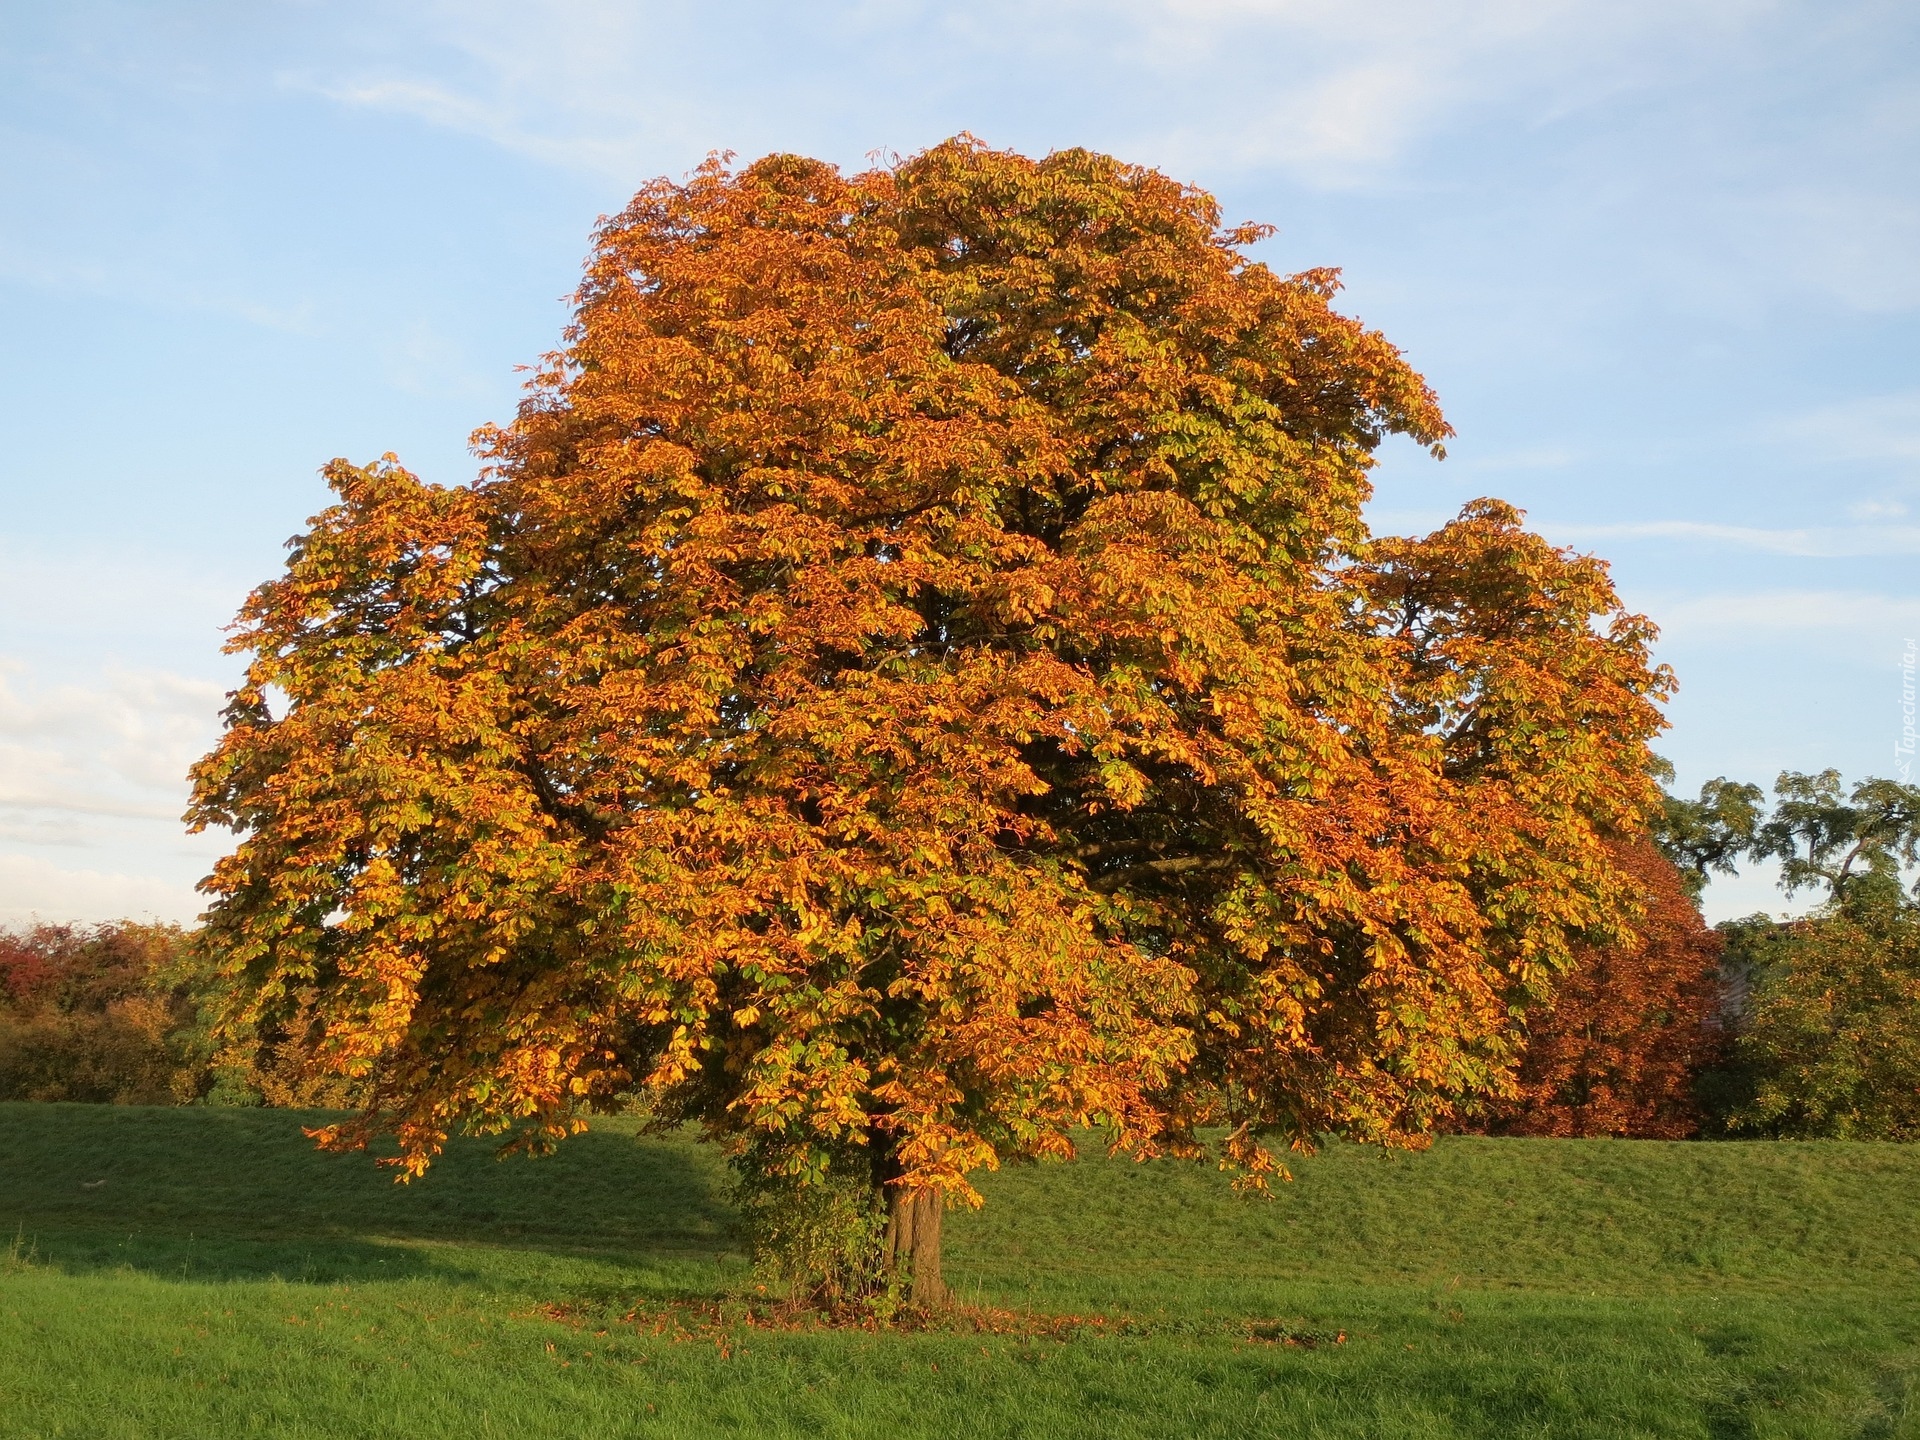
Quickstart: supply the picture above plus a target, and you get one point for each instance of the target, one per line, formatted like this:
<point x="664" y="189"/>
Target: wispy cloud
<point x="92" y="783"/>
<point x="149" y="284"/>
<point x="1327" y="91"/>
<point x="1337" y="94"/>
<point x="1819" y="542"/>
<point x="581" y="136"/>
<point x="117" y="751"/>
<point x="1877" y="510"/>
<point x="1873" y="429"/>
<point x="1776" y="611"/>
<point x="1666" y="107"/>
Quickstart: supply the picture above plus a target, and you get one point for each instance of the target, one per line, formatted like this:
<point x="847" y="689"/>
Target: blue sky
<point x="1660" y="260"/>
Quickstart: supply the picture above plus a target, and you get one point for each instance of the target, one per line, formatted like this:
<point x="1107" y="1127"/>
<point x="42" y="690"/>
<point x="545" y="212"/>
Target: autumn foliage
<point x="1621" y="1044"/>
<point x="101" y="1013"/>
<point x="914" y="679"/>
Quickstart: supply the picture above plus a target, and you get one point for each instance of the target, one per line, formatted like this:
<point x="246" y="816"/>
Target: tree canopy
<point x="1707" y="836"/>
<point x="914" y="679"/>
<point x="1823" y="835"/>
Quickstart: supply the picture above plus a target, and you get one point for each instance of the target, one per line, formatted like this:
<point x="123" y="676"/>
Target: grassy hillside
<point x="205" y="1272"/>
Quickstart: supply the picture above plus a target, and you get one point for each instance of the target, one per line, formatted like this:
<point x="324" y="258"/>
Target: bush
<point x="106" y="1013"/>
<point x="821" y="1238"/>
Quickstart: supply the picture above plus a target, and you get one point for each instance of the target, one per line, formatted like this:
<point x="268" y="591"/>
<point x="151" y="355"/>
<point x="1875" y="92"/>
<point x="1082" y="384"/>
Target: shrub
<point x="823" y="1241"/>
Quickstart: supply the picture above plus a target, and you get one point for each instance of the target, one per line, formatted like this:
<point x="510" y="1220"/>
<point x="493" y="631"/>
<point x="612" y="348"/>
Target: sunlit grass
<point x="207" y="1273"/>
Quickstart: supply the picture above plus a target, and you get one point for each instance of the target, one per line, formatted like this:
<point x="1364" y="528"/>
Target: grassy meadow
<point x="204" y="1272"/>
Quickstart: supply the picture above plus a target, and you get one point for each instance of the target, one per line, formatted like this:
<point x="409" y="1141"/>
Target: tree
<point x="1821" y="838"/>
<point x="1830" y="1041"/>
<point x="101" y="1013"/>
<point x="1822" y="835"/>
<point x="913" y="680"/>
<point x="1618" y="1048"/>
<point x="1706" y="836"/>
<point x="1820" y="1006"/>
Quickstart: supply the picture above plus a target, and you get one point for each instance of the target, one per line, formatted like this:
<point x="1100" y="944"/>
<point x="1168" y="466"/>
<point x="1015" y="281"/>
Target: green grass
<point x="203" y="1273"/>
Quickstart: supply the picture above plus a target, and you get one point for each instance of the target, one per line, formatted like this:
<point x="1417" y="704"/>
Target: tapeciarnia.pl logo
<point x="1903" y="751"/>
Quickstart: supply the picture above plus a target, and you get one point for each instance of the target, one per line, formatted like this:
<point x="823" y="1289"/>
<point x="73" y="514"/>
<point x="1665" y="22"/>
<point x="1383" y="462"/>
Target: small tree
<point x="914" y="679"/>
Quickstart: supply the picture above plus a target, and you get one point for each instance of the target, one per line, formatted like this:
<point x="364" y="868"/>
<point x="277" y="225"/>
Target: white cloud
<point x="1873" y="429"/>
<point x="132" y="275"/>
<point x="79" y="762"/>
<point x="1336" y="93"/>
<point x="1325" y="90"/>
<point x="1876" y="510"/>
<point x="33" y="889"/>
<point x="1819" y="542"/>
<point x="1336" y="131"/>
<point x="1669" y="111"/>
<point x="92" y="784"/>
<point x="497" y="117"/>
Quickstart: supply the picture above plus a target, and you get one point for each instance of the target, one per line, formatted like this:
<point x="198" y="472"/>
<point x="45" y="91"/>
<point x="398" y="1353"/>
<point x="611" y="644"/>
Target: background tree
<point x="1621" y="1044"/>
<point x="913" y="680"/>
<point x="1819" y="1009"/>
<point x="1709" y="835"/>
<point x="1825" y="836"/>
<point x="1829" y="1042"/>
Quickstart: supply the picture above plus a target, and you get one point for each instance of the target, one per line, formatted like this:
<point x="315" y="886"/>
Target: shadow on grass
<point x="211" y="1194"/>
<point x="1892" y="1401"/>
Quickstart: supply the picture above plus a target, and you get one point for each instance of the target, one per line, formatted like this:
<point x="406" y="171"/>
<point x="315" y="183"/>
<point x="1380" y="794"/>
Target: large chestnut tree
<point x="913" y="680"/>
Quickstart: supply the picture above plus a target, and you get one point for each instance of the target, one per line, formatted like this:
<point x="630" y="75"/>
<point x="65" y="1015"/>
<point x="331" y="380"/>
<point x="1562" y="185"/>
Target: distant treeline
<point x="124" y="1014"/>
<point x="108" y="1013"/>
<point x="1756" y="1027"/>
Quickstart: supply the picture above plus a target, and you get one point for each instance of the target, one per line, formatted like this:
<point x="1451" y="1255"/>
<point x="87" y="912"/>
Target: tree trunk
<point x="913" y="1244"/>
